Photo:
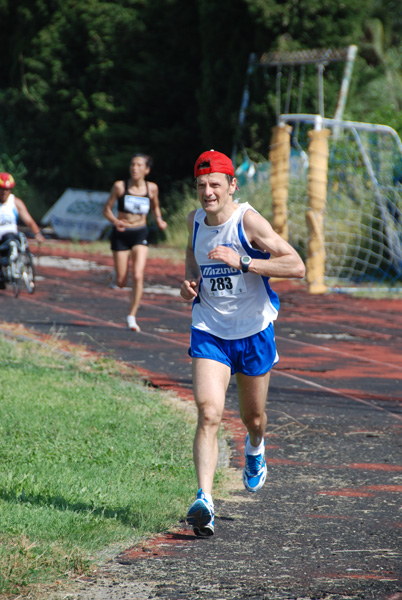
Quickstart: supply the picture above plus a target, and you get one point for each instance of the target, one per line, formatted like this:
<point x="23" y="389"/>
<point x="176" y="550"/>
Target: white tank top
<point x="8" y="216"/>
<point x="230" y="304"/>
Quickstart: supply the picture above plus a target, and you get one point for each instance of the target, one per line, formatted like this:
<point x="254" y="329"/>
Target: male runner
<point x="231" y="253"/>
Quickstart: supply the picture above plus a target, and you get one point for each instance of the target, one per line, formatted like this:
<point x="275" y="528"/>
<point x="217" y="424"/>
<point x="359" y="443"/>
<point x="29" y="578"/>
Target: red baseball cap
<point x="213" y="162"/>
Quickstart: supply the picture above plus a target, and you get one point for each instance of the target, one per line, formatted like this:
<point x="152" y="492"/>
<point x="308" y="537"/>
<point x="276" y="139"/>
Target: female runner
<point x="134" y="197"/>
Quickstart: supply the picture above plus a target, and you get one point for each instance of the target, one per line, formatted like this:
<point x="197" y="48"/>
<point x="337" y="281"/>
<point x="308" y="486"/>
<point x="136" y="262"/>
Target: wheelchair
<point x="16" y="264"/>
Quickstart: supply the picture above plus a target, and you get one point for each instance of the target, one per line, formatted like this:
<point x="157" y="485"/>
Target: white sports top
<point x="8" y="216"/>
<point x="230" y="304"/>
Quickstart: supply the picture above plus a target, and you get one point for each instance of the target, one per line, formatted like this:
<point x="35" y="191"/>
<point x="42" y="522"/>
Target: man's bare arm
<point x="189" y="287"/>
<point x="284" y="261"/>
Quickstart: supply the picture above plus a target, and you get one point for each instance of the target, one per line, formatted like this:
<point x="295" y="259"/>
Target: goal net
<point x="363" y="219"/>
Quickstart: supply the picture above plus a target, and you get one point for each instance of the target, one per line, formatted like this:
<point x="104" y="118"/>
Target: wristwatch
<point x="245" y="263"/>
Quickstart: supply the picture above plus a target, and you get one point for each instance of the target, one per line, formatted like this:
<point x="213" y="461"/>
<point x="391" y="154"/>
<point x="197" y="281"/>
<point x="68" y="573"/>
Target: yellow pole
<point x="317" y="194"/>
<point x="279" y="154"/>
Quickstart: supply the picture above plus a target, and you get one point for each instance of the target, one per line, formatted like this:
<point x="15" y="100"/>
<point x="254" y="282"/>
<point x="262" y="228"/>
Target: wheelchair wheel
<point x="28" y="272"/>
<point x="15" y="282"/>
<point x="16" y="287"/>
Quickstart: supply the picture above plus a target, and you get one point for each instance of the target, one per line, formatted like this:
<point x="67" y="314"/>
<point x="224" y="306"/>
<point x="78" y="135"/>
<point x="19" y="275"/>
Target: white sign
<point x="78" y="215"/>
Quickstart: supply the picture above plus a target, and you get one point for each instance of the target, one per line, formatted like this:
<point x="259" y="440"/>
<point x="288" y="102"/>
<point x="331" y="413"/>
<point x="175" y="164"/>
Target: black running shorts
<point x="125" y="240"/>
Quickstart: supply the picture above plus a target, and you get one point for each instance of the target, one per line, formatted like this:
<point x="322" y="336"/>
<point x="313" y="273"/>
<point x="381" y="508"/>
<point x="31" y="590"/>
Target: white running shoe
<point x="132" y="323"/>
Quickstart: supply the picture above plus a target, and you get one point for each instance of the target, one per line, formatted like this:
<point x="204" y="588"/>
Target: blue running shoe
<point x="201" y="516"/>
<point x="255" y="470"/>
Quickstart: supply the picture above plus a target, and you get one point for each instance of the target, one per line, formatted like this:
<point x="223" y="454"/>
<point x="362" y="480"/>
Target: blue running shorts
<point x="253" y="355"/>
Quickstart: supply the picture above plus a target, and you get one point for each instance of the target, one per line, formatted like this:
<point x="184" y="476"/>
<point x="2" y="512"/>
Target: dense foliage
<point x="84" y="84"/>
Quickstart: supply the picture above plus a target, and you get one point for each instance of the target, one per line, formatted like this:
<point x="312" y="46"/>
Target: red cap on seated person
<point x="213" y="162"/>
<point x="6" y="181"/>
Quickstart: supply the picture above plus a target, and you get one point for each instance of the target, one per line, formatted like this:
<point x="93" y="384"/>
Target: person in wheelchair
<point x="12" y="208"/>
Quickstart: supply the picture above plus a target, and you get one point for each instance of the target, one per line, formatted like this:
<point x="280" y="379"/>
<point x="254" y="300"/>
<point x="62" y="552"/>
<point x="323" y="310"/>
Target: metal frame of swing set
<point x="318" y="57"/>
<point x="280" y="143"/>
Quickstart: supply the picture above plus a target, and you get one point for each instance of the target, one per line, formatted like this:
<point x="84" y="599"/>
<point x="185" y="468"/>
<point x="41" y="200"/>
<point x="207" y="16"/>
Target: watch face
<point x="245" y="261"/>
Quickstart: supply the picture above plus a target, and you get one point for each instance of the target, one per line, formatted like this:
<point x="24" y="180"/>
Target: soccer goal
<point x="336" y="185"/>
<point x="362" y="228"/>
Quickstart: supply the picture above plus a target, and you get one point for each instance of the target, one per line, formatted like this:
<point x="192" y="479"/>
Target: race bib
<point x="137" y="205"/>
<point x="222" y="280"/>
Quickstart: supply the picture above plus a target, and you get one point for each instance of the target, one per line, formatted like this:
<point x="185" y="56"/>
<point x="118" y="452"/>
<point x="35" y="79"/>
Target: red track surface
<point x="335" y="416"/>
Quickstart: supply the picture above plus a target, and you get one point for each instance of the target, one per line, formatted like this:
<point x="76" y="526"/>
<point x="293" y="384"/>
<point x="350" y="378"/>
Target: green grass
<point x="89" y="458"/>
<point x="185" y="199"/>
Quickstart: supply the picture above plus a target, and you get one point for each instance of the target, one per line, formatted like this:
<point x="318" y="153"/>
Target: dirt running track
<point x="328" y="522"/>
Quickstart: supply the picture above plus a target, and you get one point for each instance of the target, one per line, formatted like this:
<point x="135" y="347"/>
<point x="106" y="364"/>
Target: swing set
<point x="299" y="59"/>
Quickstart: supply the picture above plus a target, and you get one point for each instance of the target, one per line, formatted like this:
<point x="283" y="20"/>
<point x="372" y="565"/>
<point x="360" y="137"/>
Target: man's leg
<point x="210" y="382"/>
<point x="253" y="392"/>
<point x="252" y="400"/>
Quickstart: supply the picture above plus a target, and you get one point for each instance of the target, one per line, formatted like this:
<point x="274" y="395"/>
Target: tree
<point x="86" y="83"/>
<point x="226" y="40"/>
<point x="100" y="81"/>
